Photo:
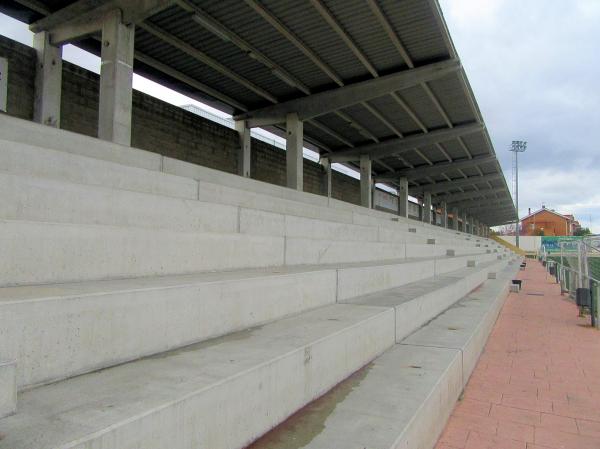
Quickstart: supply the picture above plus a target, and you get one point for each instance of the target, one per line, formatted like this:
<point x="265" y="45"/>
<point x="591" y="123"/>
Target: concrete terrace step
<point x="210" y="180"/>
<point x="24" y="131"/>
<point x="466" y="325"/>
<point x="248" y="381"/>
<point x="47" y="252"/>
<point x="362" y="279"/>
<point x="8" y="387"/>
<point x="37" y="252"/>
<point x="400" y="400"/>
<point x="22" y="159"/>
<point x="61" y="330"/>
<point x="211" y="185"/>
<point x="404" y="397"/>
<point x="42" y="199"/>
<point x="418" y="302"/>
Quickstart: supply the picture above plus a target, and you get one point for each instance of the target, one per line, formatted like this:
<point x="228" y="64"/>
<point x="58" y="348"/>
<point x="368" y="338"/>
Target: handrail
<point x="590" y="278"/>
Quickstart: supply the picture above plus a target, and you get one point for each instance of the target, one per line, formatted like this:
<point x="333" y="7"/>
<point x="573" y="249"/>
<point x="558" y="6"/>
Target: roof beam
<point x="457" y="198"/>
<point x="35" y="5"/>
<point x="205" y="59"/>
<point x="218" y="29"/>
<point x="436" y="169"/>
<point x="455" y="183"/>
<point x="326" y="14"/>
<point x="85" y="17"/>
<point x="341" y="97"/>
<point x="401" y="145"/>
<point x="489" y="205"/>
<point x="444" y="167"/>
<point x="139" y="56"/>
<point x="290" y="36"/>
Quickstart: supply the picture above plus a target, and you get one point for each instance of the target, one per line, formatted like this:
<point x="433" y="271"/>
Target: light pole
<point x="517" y="146"/>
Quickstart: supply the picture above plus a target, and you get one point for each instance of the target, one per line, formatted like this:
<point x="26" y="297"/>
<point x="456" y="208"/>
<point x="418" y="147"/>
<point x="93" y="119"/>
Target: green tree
<point x="583" y="231"/>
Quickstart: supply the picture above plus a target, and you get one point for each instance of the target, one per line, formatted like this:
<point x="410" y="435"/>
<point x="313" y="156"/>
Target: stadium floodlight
<point x="517" y="146"/>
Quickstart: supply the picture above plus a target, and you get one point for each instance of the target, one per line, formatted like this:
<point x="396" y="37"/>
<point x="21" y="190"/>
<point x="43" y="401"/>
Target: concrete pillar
<point x="455" y="218"/>
<point x="427" y="207"/>
<point x="403" y="197"/>
<point x="244" y="152"/>
<point x="116" y="75"/>
<point x="373" y="194"/>
<point x="48" y="80"/>
<point x="327" y="178"/>
<point x="366" y="181"/>
<point x="444" y="213"/>
<point x="293" y="145"/>
<point x="465" y="223"/>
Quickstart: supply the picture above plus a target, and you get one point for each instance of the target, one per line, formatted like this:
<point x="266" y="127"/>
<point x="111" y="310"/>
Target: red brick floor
<point x="537" y="383"/>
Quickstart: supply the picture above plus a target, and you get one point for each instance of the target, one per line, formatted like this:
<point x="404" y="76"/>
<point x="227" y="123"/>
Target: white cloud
<point x="533" y="69"/>
<point x="567" y="191"/>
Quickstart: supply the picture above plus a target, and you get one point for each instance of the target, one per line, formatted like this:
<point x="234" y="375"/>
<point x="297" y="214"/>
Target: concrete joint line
<point x="123" y="63"/>
<point x="337" y="285"/>
<point x="239" y="221"/>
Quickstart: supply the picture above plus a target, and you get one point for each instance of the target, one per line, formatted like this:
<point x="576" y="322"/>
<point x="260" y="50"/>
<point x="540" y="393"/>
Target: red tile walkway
<point x="537" y="383"/>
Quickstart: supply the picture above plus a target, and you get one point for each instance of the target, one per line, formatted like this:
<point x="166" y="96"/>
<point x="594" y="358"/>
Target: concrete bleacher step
<point x="466" y="325"/>
<point x="213" y="184"/>
<point x="8" y="386"/>
<point x="400" y="400"/>
<point x="38" y="252"/>
<point x="404" y="397"/>
<point x="45" y="252"/>
<point x="418" y="302"/>
<point x="249" y="381"/>
<point x="43" y="199"/>
<point x="22" y="159"/>
<point x="59" y="330"/>
<point x="103" y="163"/>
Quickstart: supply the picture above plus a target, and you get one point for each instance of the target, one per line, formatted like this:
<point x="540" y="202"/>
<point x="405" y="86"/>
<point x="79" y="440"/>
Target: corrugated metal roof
<point x="310" y="46"/>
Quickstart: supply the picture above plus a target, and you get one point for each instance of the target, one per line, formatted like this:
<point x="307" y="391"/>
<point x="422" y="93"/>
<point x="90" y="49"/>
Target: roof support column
<point x="403" y="197"/>
<point x="116" y="74"/>
<point x="444" y="213"/>
<point x="245" y="151"/>
<point x="366" y="181"/>
<point x="327" y="177"/>
<point x="48" y="80"/>
<point x="293" y="145"/>
<point x="455" y="218"/>
<point x="427" y="207"/>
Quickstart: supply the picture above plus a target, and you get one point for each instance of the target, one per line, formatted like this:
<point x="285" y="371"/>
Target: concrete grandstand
<point x="173" y="282"/>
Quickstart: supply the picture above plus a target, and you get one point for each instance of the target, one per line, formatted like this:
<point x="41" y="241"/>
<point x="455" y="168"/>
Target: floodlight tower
<point x="517" y="146"/>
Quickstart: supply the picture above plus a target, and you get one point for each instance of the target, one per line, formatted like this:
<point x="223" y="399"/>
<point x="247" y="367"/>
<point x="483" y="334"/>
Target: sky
<point x="534" y="67"/>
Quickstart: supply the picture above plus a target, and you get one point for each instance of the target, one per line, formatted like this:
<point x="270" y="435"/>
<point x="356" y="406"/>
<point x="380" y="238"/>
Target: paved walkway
<point x="537" y="384"/>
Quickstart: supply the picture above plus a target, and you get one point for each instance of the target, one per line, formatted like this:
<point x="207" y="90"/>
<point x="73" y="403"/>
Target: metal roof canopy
<point x="376" y="77"/>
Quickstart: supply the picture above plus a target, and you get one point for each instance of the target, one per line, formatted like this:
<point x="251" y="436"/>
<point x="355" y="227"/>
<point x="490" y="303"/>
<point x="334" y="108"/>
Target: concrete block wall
<point x="158" y="126"/>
